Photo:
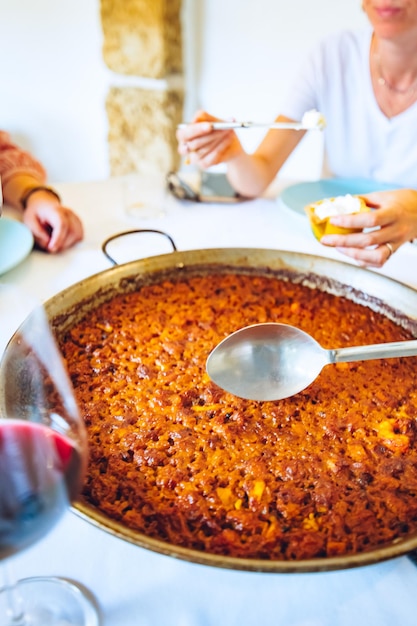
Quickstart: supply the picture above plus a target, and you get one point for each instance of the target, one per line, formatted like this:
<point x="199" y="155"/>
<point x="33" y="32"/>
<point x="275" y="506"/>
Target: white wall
<point x="53" y="84"/>
<point x="240" y="56"/>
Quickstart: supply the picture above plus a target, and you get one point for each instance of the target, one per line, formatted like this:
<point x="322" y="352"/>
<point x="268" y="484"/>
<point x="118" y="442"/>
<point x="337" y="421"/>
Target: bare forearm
<point x="249" y="174"/>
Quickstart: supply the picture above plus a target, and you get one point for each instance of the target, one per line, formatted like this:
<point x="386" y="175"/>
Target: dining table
<point x="132" y="585"/>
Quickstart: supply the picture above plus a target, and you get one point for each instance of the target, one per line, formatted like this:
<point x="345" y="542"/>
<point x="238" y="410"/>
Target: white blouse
<point x="359" y="140"/>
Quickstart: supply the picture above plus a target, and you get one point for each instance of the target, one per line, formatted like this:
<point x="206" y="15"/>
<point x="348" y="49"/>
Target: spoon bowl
<point x="275" y="361"/>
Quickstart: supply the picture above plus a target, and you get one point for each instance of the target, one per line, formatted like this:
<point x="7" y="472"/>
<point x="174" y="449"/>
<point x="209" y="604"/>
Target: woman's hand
<point x="54" y="227"/>
<point x="205" y="147"/>
<point x="394" y="222"/>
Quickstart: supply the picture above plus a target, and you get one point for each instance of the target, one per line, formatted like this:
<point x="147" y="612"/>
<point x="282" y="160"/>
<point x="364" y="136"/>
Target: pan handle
<point x="105" y="243"/>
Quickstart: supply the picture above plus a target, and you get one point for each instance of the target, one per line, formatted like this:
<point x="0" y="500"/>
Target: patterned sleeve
<point x="14" y="160"/>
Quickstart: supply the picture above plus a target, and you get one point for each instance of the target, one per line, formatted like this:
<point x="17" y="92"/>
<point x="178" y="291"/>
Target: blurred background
<point x="238" y="59"/>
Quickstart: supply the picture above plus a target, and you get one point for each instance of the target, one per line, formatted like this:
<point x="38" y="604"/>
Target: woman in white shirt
<point x="365" y="85"/>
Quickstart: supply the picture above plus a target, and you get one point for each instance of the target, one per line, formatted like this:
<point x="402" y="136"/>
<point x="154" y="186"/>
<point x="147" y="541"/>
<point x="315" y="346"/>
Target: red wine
<point x="40" y="473"/>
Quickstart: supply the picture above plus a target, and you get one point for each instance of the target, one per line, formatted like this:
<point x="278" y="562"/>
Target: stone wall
<point x="142" y="40"/>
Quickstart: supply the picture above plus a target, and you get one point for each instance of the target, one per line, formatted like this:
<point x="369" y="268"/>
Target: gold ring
<point x="390" y="248"/>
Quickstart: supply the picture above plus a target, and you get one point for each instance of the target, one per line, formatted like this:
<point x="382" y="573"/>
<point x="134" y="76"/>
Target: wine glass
<point x="43" y="458"/>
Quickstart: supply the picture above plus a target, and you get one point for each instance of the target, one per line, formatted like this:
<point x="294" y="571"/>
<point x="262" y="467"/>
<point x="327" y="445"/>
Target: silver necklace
<point x="383" y="81"/>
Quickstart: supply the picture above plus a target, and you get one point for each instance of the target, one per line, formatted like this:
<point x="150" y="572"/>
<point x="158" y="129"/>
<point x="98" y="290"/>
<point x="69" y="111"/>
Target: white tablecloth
<point x="136" y="587"/>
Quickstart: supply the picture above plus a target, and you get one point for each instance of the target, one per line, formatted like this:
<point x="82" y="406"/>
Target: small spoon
<point x="274" y="361"/>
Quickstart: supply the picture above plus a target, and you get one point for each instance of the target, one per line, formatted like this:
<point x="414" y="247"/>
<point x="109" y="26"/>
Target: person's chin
<point x="390" y="31"/>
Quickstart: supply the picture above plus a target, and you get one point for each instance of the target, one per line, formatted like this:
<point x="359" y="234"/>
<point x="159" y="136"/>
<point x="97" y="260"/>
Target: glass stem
<point x="15" y="614"/>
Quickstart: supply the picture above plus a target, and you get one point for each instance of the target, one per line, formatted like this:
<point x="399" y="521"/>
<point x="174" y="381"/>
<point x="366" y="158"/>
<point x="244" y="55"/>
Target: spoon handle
<point x="376" y="351"/>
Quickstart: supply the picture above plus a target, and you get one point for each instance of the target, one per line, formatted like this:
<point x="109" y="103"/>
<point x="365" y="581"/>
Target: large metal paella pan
<point x="393" y="299"/>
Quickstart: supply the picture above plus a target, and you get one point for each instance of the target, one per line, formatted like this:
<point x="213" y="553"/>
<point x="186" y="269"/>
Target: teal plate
<point x="297" y="196"/>
<point x="16" y="242"/>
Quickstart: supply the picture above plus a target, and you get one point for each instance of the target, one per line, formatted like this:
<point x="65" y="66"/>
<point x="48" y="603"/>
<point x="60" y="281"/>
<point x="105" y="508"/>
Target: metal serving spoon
<point x="275" y="361"/>
<point x="311" y="120"/>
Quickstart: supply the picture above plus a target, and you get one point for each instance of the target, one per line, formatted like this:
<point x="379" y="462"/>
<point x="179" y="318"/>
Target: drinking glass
<point x="145" y="195"/>
<point x="43" y="458"/>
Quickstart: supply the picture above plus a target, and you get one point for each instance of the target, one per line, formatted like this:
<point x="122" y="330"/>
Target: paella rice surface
<point x="329" y="471"/>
